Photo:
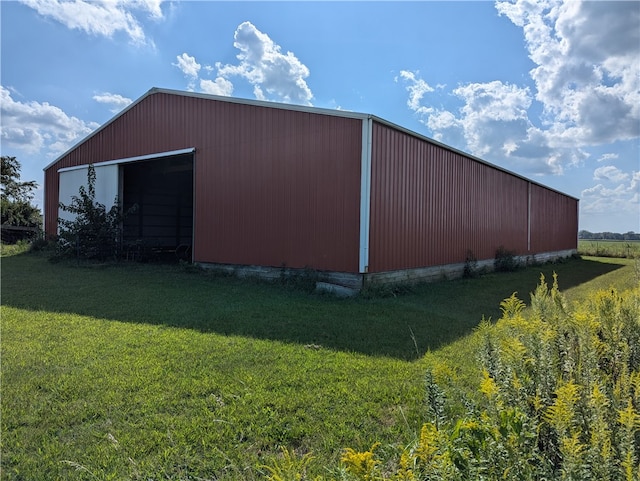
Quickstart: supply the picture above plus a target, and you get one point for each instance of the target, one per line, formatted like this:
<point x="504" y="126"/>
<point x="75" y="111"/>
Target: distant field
<point x="609" y="248"/>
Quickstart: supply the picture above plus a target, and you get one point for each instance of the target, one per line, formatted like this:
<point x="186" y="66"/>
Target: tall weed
<point x="559" y="400"/>
<point x="505" y="260"/>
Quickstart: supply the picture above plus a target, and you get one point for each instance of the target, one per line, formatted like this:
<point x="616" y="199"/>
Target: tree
<point x="16" y="196"/>
<point x="95" y="232"/>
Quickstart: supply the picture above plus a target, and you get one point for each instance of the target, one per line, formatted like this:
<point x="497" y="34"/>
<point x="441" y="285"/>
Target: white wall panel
<point x="106" y="186"/>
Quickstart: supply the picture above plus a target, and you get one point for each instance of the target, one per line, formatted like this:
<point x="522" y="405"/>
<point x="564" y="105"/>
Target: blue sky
<point x="547" y="89"/>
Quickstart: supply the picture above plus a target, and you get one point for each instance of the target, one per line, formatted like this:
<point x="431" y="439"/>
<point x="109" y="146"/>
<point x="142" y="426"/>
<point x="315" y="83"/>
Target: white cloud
<point x="273" y="74"/>
<point x="188" y="65"/>
<point x="417" y="89"/>
<point x="616" y="197"/>
<point x="586" y="80"/>
<point x="609" y="173"/>
<point x="494" y="116"/>
<point x="102" y="18"/>
<point x="493" y="123"/>
<point x="117" y="101"/>
<point x="190" y="68"/>
<point x="586" y="76"/>
<point x="220" y="86"/>
<point x="609" y="156"/>
<point x="620" y="198"/>
<point x="153" y="7"/>
<point x="35" y="127"/>
<point x="599" y="199"/>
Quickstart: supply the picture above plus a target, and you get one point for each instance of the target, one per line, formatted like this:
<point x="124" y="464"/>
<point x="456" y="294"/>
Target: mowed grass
<point x="161" y="372"/>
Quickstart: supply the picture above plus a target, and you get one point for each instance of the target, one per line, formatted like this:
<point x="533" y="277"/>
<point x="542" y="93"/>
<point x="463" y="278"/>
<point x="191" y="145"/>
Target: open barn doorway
<point x="160" y="191"/>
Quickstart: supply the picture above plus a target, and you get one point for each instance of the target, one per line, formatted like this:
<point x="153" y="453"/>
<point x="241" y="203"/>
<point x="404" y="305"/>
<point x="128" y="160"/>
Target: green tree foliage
<point x="95" y="232"/>
<point x="585" y="234"/>
<point x="16" y="208"/>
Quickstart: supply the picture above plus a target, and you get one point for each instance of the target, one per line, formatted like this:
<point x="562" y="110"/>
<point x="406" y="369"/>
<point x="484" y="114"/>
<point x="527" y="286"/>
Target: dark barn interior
<point x="160" y="191"/>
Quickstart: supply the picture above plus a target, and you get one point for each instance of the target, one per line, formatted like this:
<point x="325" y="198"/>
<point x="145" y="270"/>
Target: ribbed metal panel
<point x="430" y="205"/>
<point x="149" y="127"/>
<point x="284" y="186"/>
<point x="272" y="186"/>
<point x="554" y="220"/>
<point x="281" y="187"/>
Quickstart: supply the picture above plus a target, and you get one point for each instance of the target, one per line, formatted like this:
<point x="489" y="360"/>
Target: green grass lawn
<point x="159" y="372"/>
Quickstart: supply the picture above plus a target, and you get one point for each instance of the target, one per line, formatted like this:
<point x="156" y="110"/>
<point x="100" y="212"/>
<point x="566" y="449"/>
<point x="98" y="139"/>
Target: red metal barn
<point x="257" y="187"/>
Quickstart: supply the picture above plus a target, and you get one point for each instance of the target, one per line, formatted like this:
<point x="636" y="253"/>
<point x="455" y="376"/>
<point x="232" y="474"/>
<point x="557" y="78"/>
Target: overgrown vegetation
<point x="470" y="265"/>
<point x="16" y="209"/>
<point x="561" y="399"/>
<point x="20" y="247"/>
<point x="113" y="371"/>
<point x="94" y="232"/>
<point x="301" y="279"/>
<point x="505" y="260"/>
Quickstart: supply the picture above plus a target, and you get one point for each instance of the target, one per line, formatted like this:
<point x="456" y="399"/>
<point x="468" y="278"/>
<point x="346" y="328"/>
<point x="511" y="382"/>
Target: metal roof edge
<point x="137" y="158"/>
<point x="149" y="92"/>
<point x="221" y="98"/>
<point x="297" y="108"/>
<point x="466" y="154"/>
<point x="265" y="103"/>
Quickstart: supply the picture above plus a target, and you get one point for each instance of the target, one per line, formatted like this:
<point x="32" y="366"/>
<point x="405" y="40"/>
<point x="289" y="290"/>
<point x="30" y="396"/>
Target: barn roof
<point x="295" y="108"/>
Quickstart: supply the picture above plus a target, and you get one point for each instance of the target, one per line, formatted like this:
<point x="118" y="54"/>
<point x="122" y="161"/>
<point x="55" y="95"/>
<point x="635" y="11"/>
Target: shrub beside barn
<point x="258" y="187"/>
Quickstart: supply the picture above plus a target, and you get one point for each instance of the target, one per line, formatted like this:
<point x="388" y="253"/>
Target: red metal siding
<point x="430" y="205"/>
<point x="299" y="174"/>
<point x="554" y="220"/>
<point x="272" y="186"/>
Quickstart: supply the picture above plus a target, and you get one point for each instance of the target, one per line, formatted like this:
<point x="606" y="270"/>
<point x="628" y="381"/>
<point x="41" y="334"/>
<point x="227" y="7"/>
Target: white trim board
<point x="139" y="158"/>
<point x="365" y="194"/>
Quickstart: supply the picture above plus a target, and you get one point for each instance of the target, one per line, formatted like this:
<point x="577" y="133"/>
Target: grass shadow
<point x="403" y="327"/>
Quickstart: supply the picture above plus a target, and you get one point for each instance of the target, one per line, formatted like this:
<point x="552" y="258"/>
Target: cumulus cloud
<point x="607" y="157"/>
<point x="35" y="127"/>
<point x="188" y="65"/>
<point x="219" y="86"/>
<point x="117" y="101"/>
<point x="586" y="76"/>
<point x="153" y="7"/>
<point x="494" y="116"/>
<point x="191" y="69"/>
<point x="610" y="173"/>
<point x="101" y="18"/>
<point x="493" y="123"/>
<point x="417" y="89"/>
<point x="618" y="195"/>
<point x="586" y="81"/>
<point x="273" y="74"/>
